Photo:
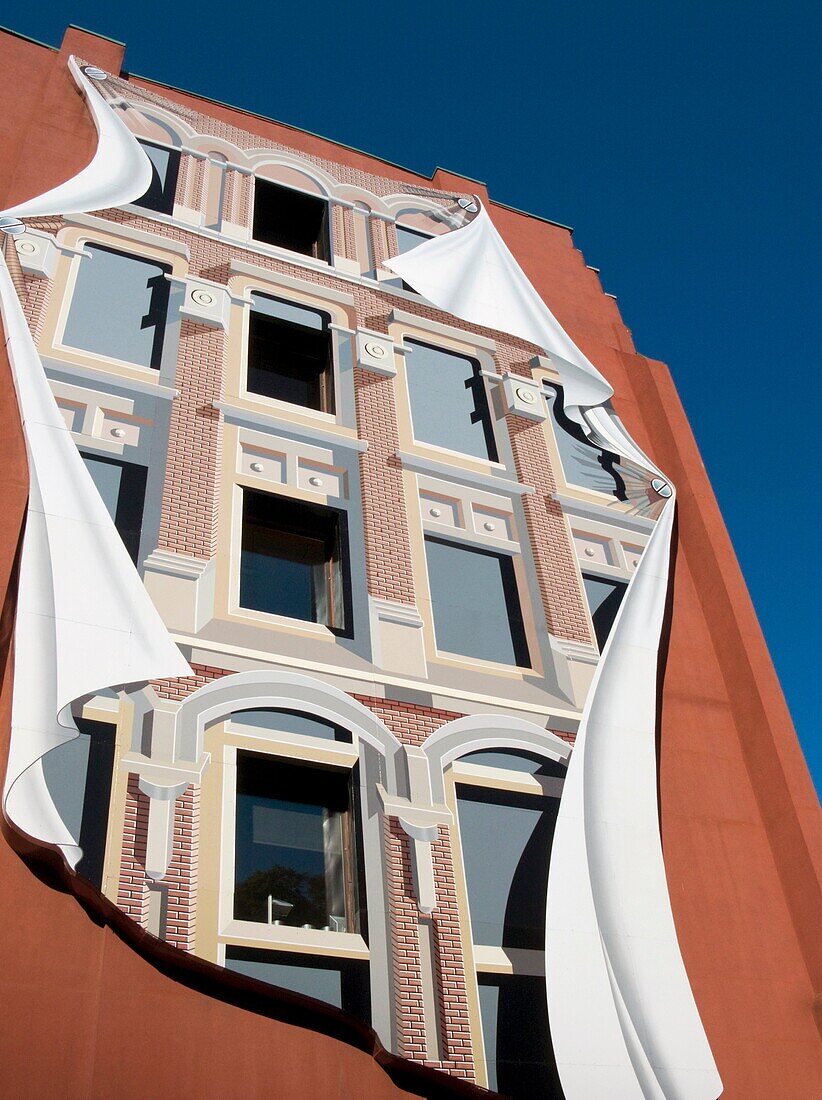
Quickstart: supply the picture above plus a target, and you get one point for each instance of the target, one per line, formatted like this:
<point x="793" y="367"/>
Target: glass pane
<point x="119" y="307"/>
<point x="516" y="1037"/>
<point x="408" y="239"/>
<point x="340" y="982"/>
<point x="165" y="165"/>
<point x="107" y="477"/>
<point x="289" y="721"/>
<point x="289" y="355"/>
<point x="506" y="847"/>
<point x="289" y="857"/>
<point x="448" y="404"/>
<point x="516" y="762"/>
<point x="582" y="463"/>
<point x="290" y="556"/>
<point x="604" y="599"/>
<point x="475" y="604"/>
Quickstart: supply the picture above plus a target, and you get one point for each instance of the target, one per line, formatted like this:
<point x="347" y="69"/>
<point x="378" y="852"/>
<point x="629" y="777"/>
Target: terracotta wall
<point x="740" y="819"/>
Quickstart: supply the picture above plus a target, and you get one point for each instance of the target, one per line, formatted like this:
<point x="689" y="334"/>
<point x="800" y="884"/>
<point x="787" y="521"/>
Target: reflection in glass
<point x="340" y="982"/>
<point x="293" y="856"/>
<point x="448" y="403"/>
<point x="475" y="604"/>
<point x="506" y="847"/>
<point x="119" y="307"/>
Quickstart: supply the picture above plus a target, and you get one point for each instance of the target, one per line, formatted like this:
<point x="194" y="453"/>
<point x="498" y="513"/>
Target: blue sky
<point x="681" y="142"/>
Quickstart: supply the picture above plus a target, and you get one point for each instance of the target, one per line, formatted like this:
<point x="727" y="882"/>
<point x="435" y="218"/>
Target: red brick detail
<point x="408" y="994"/>
<point x="190" y="492"/>
<point x="387" y="544"/>
<point x="183" y="686"/>
<point x="451" y="986"/>
<point x="132" y="891"/>
<point x="409" y="722"/>
<point x="181" y="878"/>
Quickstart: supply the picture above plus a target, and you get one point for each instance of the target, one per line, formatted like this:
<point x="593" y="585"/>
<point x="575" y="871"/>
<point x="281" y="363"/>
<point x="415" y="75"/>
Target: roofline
<point x="290" y="126"/>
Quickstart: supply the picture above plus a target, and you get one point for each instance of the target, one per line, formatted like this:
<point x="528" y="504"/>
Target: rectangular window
<point x="604" y="597"/>
<point x="291" y="219"/>
<point x="516" y="1036"/>
<point x="475" y="604"/>
<point x="582" y="462"/>
<point x="339" y="982"/>
<point x="448" y="403"/>
<point x="407" y="239"/>
<point x="290" y="353"/>
<point x="122" y="486"/>
<point x="119" y="307"/>
<point x="506" y="847"/>
<point x="165" y="167"/>
<point x="78" y="776"/>
<point x="294" y="560"/>
<point x="295" y="847"/>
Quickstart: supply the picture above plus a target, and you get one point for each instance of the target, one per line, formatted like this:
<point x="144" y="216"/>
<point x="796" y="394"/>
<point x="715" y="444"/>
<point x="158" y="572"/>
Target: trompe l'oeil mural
<point x="301" y="849"/>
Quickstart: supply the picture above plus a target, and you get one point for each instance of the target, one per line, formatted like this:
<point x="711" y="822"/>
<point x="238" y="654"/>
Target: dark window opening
<point x="165" y="167"/>
<point x="604" y="598"/>
<point x="290" y="353"/>
<point x="295" y="850"/>
<point x="475" y="603"/>
<point x="506" y="845"/>
<point x="583" y="463"/>
<point x="517" y="760"/>
<point x="291" y="219"/>
<point x="294" y="560"/>
<point x="122" y="486"/>
<point x="449" y="406"/>
<point x="516" y="1036"/>
<point x="340" y="982"/>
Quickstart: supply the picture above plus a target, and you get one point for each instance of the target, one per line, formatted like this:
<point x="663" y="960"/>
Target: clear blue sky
<point x="680" y="139"/>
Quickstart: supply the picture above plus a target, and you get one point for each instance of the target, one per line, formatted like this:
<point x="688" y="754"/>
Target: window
<point x="517" y="1041"/>
<point x="474" y="603"/>
<point x="78" y="776"/>
<point x="604" y="597"/>
<point x="507" y="802"/>
<point x="291" y="219"/>
<point x="407" y="239"/>
<point x="340" y="982"/>
<point x="582" y="463"/>
<point x="165" y="167"/>
<point x="289" y="353"/>
<point x="506" y="837"/>
<point x="119" y="307"/>
<point x="122" y="486"/>
<point x="294" y="560"/>
<point x="295" y="845"/>
<point x="292" y="721"/>
<point x="448" y="403"/>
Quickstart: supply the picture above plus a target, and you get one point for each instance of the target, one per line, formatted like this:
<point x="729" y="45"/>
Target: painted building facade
<point x="391" y="559"/>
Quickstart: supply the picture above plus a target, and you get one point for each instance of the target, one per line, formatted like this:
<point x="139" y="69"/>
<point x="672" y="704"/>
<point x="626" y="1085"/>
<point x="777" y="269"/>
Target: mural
<point x="285" y="793"/>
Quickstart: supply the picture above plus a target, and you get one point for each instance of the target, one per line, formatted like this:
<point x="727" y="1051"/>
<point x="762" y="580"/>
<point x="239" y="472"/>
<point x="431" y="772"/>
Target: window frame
<point x="346" y="630"/>
<point x="326" y="260"/>
<point x="512" y="590"/>
<point x="481" y="959"/>
<point x="133" y="485"/>
<point x="330" y="415"/>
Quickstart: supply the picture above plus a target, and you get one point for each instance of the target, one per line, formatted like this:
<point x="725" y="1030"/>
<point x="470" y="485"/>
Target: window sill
<point x="314" y="941"/>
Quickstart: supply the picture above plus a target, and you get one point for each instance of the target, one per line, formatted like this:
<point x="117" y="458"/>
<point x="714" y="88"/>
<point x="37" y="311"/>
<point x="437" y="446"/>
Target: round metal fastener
<point x="12" y="226"/>
<point x="526" y="395"/>
<point x="118" y="432"/>
<point x="202" y="297"/>
<point x="257" y="467"/>
<point x="95" y="73"/>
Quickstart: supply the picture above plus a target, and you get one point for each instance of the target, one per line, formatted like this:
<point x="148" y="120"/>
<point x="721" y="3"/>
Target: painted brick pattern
<point x="182" y="872"/>
<point x="132" y="891"/>
<point x="183" y="686"/>
<point x="410" y="723"/>
<point x="190" y="492"/>
<point x="408" y="993"/>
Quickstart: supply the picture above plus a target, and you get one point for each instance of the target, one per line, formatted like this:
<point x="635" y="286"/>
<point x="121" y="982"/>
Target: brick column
<point x="409" y="1006"/>
<point x="189" y="517"/>
<point x="181" y="877"/>
<point x="132" y="889"/>
<point x="190" y="182"/>
<point x="387" y="543"/>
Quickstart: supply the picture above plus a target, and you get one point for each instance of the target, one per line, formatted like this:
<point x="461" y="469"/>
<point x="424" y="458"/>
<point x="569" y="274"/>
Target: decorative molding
<point x="437" y="328"/>
<point x="272" y="422"/>
<point x="446" y="472"/>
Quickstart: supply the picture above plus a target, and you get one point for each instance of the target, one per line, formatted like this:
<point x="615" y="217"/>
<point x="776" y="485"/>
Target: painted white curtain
<point x="624" y="1022"/>
<point x="84" y="620"/>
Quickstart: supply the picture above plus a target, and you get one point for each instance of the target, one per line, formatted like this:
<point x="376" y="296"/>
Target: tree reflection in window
<point x="294" y="855"/>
